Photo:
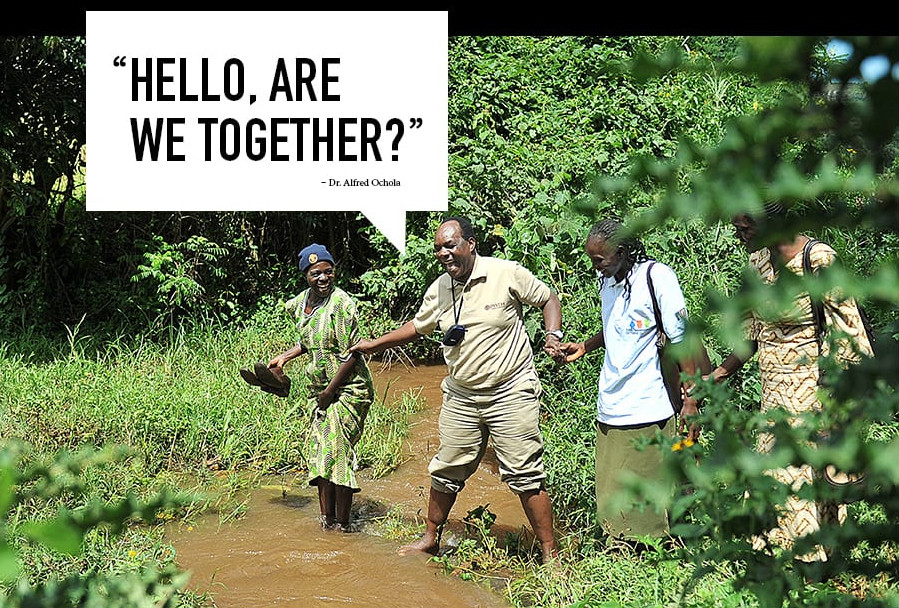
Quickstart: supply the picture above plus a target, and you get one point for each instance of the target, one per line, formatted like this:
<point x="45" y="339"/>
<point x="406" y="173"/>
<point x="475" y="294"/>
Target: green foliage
<point x="178" y="271"/>
<point x="33" y="495"/>
<point x="732" y="500"/>
<point x="42" y="127"/>
<point x="793" y="152"/>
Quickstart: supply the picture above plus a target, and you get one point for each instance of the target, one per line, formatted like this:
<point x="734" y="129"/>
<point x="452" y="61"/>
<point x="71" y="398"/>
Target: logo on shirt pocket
<point x="637" y="324"/>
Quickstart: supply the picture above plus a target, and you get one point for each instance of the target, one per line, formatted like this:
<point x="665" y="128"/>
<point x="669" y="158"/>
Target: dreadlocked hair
<point x="610" y="230"/>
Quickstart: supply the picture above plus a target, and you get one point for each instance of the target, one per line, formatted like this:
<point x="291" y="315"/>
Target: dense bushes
<point x="546" y="135"/>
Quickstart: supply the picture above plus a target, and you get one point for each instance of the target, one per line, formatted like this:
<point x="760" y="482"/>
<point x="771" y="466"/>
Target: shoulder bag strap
<point x="655" y="303"/>
<point x="817" y="306"/>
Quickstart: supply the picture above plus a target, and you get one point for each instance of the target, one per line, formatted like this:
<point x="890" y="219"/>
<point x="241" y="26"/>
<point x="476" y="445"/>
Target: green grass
<point x="184" y="419"/>
<point x="189" y="421"/>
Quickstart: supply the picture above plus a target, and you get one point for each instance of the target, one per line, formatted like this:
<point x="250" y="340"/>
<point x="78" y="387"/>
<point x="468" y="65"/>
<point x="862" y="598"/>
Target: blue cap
<point x="313" y="254"/>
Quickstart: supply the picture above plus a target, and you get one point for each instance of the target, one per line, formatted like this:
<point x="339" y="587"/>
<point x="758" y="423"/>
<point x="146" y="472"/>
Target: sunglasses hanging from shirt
<point x="455" y="333"/>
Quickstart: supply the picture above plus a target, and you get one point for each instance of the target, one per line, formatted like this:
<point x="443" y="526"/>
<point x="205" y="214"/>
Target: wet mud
<point x="278" y="555"/>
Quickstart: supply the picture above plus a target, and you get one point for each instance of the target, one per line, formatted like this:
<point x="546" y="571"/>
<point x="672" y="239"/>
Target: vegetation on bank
<point x="185" y="448"/>
<point x="120" y="329"/>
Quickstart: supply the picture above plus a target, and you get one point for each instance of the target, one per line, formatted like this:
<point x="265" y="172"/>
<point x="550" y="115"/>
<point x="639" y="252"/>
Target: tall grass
<point x="179" y="409"/>
<point x="179" y="405"/>
<point x="381" y="447"/>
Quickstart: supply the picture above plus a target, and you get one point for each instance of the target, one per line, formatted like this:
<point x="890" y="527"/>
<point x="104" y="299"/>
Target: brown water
<point x="278" y="555"/>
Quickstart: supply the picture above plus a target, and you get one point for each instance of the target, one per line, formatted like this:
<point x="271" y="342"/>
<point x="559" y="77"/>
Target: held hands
<point x="570" y="351"/>
<point x="551" y="347"/>
<point x="364" y="347"/>
<point x="688" y="411"/>
<point x="718" y="374"/>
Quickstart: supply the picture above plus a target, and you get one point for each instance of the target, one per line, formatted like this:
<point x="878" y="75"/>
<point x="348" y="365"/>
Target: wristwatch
<point x="556" y="332"/>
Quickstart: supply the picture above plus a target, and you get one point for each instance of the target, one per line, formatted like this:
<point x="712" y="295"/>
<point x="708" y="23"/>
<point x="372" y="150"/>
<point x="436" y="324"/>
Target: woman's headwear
<point x="313" y="254"/>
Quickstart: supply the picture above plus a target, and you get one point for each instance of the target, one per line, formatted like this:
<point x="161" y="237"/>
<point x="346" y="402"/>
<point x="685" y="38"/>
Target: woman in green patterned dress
<point x="339" y="384"/>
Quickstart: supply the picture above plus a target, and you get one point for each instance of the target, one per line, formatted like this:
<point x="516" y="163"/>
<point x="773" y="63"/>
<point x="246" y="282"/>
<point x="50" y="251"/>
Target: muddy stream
<point x="278" y="555"/>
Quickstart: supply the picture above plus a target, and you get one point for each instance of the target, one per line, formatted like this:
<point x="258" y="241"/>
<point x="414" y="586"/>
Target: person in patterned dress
<point x="340" y="389"/>
<point x="788" y="352"/>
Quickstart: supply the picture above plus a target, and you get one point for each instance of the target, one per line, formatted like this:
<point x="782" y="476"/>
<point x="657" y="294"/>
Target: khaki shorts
<point x="509" y="414"/>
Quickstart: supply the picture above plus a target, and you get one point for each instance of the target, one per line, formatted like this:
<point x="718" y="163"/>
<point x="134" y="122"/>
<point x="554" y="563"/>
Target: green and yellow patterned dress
<point x="326" y="334"/>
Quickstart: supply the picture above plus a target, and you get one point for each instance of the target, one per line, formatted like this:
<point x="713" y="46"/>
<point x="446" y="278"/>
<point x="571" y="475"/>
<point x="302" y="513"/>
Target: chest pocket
<point x="637" y="322"/>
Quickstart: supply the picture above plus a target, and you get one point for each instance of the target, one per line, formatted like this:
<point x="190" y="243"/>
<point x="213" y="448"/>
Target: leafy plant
<point x="178" y="272"/>
<point x="33" y="494"/>
<point x="790" y="152"/>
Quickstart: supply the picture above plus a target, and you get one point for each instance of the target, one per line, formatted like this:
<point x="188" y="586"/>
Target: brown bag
<point x="669" y="365"/>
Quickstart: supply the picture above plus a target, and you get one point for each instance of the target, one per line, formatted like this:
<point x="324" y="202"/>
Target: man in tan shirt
<point x="492" y="389"/>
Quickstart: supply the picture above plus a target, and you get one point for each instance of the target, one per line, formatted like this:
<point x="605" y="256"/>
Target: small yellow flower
<point x="190" y="528"/>
<point x="132" y="553"/>
<point x="680" y="445"/>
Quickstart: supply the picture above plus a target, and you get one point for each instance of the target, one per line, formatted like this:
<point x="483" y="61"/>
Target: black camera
<point x="454" y="335"/>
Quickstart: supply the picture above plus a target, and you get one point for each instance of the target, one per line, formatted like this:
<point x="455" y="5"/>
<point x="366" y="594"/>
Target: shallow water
<point x="278" y="555"/>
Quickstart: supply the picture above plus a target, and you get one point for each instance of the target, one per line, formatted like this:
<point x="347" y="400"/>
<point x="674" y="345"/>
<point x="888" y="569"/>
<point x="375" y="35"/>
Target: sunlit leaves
<point x="34" y="489"/>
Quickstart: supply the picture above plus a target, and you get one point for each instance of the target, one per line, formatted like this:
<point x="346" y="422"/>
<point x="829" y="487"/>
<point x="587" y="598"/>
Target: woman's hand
<point x="288" y="355"/>
<point x="325" y="398"/>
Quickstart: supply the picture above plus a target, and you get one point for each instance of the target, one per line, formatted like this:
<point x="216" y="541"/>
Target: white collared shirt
<point x="630" y="387"/>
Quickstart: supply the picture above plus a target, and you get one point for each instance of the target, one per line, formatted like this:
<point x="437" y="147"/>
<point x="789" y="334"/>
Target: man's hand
<point x="551" y="348"/>
<point x="364" y="347"/>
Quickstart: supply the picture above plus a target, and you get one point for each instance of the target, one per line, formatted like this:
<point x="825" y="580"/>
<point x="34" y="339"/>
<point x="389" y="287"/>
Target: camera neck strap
<point x="456" y="312"/>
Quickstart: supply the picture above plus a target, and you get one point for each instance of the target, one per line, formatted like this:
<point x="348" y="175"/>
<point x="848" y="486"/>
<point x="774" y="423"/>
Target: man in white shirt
<point x="632" y="400"/>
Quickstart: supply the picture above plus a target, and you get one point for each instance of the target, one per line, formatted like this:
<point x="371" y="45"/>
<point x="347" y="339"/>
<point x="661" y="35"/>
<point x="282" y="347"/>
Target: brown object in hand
<point x="249" y="377"/>
<point x="269" y="379"/>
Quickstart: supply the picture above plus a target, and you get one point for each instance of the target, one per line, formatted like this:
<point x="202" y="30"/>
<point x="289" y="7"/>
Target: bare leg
<point x="539" y="511"/>
<point x="439" y="505"/>
<point x="327" y="503"/>
<point x="343" y="496"/>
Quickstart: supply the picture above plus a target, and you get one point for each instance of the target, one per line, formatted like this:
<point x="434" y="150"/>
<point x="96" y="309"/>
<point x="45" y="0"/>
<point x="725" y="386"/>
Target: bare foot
<point x="550" y="554"/>
<point x="424" y="545"/>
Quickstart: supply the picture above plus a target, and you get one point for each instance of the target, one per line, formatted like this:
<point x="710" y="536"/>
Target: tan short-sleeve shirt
<point x="495" y="347"/>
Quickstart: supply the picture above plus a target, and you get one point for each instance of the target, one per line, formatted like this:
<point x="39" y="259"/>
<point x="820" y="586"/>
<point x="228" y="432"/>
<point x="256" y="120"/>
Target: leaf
<point x="59" y="534"/>
<point x="7" y="494"/>
<point x="9" y="563"/>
